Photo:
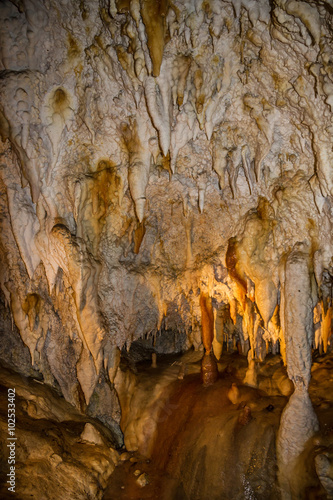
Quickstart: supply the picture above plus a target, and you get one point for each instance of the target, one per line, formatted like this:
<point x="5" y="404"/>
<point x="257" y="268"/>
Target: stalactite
<point x="233" y="265"/>
<point x="207" y="321"/>
<point x="158" y="95"/>
<point x="139" y="163"/>
<point x="233" y="310"/>
<point x="326" y="326"/>
<point x="201" y="193"/>
<point x="246" y="165"/>
<point x="153" y="15"/>
<point x="218" y="334"/>
<point x="220" y="161"/>
<point x="266" y="299"/>
<point x="209" y="370"/>
<point x="308" y="15"/>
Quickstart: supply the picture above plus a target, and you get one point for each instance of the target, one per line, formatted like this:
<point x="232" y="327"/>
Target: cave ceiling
<point x="152" y="151"/>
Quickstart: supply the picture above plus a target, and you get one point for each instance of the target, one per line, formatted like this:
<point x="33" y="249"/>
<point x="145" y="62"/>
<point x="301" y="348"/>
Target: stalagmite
<point x="324" y="470"/>
<point x="298" y="421"/>
<point x="252" y="370"/>
<point x="233" y="394"/>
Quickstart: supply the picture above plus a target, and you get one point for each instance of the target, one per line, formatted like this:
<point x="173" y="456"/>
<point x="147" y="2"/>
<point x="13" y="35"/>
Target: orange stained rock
<point x="245" y="417"/>
<point x="153" y="13"/>
<point x="326" y="328"/>
<point x="207" y="321"/>
<point x="209" y="371"/>
<point x="60" y="101"/>
<point x="123" y="5"/>
<point x="138" y="237"/>
<point x="232" y="264"/>
<point x="233" y="394"/>
<point x="31" y="306"/>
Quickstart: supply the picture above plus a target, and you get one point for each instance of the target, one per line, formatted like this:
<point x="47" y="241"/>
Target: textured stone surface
<point x="101" y="244"/>
<point x="221" y="441"/>
<point x="58" y="454"/>
<point x="152" y="152"/>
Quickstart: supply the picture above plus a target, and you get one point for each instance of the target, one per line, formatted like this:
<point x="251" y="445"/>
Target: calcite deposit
<point x="152" y="153"/>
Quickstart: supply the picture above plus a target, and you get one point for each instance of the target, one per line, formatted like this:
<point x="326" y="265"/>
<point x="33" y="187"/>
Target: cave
<point x="166" y="249"/>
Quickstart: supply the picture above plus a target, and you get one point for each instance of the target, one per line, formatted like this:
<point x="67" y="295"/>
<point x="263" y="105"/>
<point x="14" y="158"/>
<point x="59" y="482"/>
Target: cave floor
<point x="202" y="446"/>
<point x="194" y="418"/>
<point x="190" y="406"/>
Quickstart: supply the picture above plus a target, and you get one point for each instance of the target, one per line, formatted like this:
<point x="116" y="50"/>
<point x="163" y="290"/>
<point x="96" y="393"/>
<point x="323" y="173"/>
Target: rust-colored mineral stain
<point x="123" y="5"/>
<point x="104" y="187"/>
<point x="207" y="321"/>
<point x="153" y="13"/>
<point x="60" y="100"/>
<point x="138" y="237"/>
<point x="32" y="301"/>
<point x="231" y="263"/>
<point x="73" y="50"/>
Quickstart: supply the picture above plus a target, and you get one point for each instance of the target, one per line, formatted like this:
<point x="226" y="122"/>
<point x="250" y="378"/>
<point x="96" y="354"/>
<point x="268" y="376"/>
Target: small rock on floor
<point x="124" y="456"/>
<point x="142" y="480"/>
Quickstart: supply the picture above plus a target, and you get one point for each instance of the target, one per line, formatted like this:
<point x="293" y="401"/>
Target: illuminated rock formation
<point x="209" y="369"/>
<point x="154" y="153"/>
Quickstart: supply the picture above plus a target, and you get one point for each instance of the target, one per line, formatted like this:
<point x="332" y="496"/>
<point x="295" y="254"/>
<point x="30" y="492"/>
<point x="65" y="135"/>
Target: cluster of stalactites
<point x="265" y="292"/>
<point x="186" y="94"/>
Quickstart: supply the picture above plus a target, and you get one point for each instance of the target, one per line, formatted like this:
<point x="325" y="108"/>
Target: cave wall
<point x="151" y="151"/>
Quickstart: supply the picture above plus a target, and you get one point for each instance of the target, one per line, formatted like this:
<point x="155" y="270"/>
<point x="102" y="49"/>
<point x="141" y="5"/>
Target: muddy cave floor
<point x="201" y="442"/>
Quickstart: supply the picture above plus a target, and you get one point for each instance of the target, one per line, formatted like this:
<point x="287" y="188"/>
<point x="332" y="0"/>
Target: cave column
<point x="298" y="420"/>
<point x="209" y="371"/>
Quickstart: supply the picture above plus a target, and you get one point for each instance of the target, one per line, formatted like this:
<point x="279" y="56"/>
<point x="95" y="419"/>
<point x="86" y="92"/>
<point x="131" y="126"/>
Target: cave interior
<point x="166" y="249"/>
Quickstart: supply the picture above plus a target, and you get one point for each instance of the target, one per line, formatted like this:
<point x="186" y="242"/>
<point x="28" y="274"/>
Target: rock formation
<point x="153" y="153"/>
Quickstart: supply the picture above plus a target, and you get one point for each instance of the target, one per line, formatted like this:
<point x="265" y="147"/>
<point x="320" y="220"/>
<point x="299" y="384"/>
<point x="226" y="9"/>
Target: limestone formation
<point x="166" y="171"/>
